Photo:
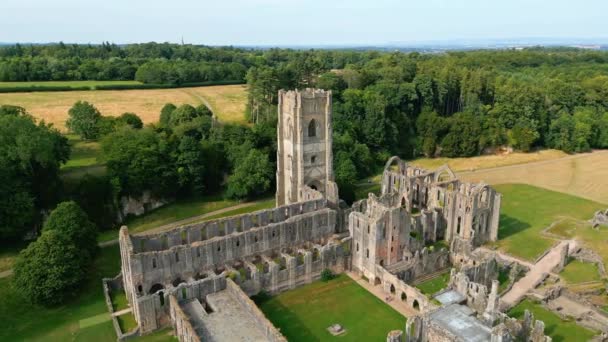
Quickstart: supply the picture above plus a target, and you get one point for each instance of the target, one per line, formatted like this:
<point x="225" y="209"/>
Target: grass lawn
<point x="305" y="313"/>
<point x="90" y="84"/>
<point x="126" y="322"/>
<point x="84" y="153"/>
<point x="119" y="300"/>
<point x="558" y="329"/>
<point x="580" y="272"/>
<point x="84" y="318"/>
<point x="433" y="285"/>
<point x="582" y="231"/>
<point x="527" y="210"/>
<point x="263" y="204"/>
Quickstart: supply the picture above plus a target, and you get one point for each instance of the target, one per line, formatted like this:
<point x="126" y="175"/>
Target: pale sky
<point x="301" y="22"/>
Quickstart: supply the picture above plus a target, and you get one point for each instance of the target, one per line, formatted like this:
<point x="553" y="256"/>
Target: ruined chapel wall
<point x="185" y="261"/>
<point x="207" y="230"/>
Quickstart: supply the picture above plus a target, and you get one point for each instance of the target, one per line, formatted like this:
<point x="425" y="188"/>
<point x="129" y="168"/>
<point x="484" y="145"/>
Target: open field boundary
<point x="16" y="87"/>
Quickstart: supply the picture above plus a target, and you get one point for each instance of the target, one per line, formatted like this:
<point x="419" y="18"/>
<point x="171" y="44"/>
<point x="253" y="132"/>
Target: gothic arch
<point x="444" y="173"/>
<point x="391" y="161"/>
<point x="312" y="128"/>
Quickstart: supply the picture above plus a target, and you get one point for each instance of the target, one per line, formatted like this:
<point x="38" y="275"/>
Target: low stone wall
<point x="272" y="333"/>
<point x="114" y="284"/>
<point x="181" y="323"/>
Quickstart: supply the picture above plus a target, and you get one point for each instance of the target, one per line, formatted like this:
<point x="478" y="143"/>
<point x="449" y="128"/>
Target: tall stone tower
<point x="304" y="153"/>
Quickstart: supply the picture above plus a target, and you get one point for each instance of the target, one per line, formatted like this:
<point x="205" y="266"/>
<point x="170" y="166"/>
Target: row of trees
<point x="453" y="104"/>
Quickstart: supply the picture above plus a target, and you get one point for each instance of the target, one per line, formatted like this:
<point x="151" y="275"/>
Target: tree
<point x="131" y="119"/>
<point x="524" y="135"/>
<point x="30" y="157"/>
<point x="165" y="114"/>
<point x="71" y="221"/>
<point x="251" y="176"/>
<point x="83" y="120"/>
<point x="346" y="176"/>
<point x="184" y="113"/>
<point x="49" y="270"/>
<point x="190" y="165"/>
<point x="561" y="133"/>
<point x="603" y="128"/>
<point x="139" y="160"/>
<point x="463" y="136"/>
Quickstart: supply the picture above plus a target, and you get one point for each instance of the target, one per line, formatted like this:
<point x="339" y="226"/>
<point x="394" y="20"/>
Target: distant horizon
<point x="303" y="23"/>
<point x="482" y="42"/>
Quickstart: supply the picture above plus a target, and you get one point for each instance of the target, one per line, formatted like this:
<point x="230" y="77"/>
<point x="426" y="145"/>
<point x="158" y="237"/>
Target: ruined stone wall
<point x="144" y="270"/>
<point x="475" y="282"/>
<point x="184" y="331"/>
<point x="304" y="151"/>
<point x="152" y="311"/>
<point x="207" y="230"/>
<point x="465" y="210"/>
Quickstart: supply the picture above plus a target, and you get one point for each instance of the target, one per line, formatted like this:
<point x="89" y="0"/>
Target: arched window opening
<point x="312" y="128"/>
<point x="403" y="297"/>
<point x="392" y="289"/>
<point x="416" y="305"/>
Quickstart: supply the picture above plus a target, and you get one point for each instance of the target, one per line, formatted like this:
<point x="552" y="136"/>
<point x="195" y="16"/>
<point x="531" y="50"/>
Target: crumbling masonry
<point x="198" y="277"/>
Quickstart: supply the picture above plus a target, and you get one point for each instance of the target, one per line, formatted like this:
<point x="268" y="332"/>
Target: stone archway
<point x="155" y="288"/>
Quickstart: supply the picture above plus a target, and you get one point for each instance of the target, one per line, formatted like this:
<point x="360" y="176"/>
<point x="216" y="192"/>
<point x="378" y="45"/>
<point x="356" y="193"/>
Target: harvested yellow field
<point x="489" y="161"/>
<point x="583" y="175"/>
<point x="227" y="102"/>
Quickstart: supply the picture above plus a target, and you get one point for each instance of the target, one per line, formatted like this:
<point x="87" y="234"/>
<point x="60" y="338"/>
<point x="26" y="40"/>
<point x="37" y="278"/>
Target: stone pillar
<point x="291" y="264"/>
<point x="538" y="333"/>
<point x="500" y="333"/>
<point x="395" y="336"/>
<point x="307" y="265"/>
<point x="490" y="313"/>
<point x="563" y="257"/>
<point x="256" y="277"/>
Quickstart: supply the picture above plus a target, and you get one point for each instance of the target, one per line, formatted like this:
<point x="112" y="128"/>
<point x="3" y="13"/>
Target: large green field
<point x="558" y="329"/>
<point x="527" y="210"/>
<point x="304" y="314"/>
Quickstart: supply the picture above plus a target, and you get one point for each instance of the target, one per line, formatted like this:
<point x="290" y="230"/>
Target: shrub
<point x="327" y="275"/>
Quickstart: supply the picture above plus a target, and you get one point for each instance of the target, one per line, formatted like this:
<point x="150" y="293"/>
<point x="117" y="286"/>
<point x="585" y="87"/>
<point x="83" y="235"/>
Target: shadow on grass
<point x="284" y="319"/>
<point x="510" y="226"/>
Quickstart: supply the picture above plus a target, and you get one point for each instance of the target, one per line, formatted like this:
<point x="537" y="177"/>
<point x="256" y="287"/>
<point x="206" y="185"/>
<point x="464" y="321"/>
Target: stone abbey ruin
<point x="198" y="278"/>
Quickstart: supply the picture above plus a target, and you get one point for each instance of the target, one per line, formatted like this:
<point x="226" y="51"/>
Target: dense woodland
<point x="410" y="104"/>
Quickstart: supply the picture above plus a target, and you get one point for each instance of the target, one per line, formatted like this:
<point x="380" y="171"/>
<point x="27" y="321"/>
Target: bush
<point x="84" y="120"/>
<point x="327" y="275"/>
<point x="71" y="221"/>
<point x="49" y="270"/>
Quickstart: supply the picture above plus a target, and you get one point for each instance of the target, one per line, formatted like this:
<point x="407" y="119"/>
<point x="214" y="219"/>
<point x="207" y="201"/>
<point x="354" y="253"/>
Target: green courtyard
<point x="304" y="314"/>
<point x="527" y="210"/>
